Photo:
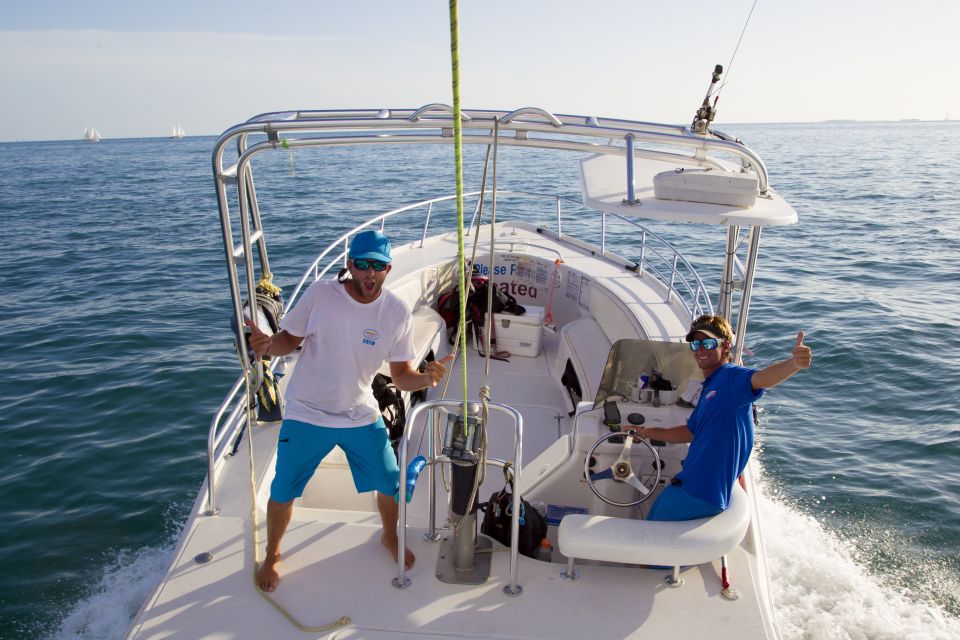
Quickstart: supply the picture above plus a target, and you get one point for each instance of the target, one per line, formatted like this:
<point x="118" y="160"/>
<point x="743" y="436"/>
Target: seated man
<point x="720" y="429"/>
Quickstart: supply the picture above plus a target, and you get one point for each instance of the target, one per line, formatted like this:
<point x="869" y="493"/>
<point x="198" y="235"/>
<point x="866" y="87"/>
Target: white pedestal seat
<point x="688" y="542"/>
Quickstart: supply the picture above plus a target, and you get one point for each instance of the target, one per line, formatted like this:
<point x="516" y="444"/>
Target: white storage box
<point x="520" y="335"/>
<point x="712" y="186"/>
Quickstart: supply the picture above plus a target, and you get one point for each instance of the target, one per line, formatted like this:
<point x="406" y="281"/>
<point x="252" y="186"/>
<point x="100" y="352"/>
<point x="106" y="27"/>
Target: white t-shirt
<point x="345" y="343"/>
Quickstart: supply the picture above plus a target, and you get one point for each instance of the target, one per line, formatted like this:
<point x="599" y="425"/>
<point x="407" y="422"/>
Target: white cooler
<point x="713" y="186"/>
<point x="520" y="335"/>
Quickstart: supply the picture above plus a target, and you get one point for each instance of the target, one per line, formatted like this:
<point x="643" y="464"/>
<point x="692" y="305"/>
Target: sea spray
<point x="106" y="610"/>
<point x="822" y="592"/>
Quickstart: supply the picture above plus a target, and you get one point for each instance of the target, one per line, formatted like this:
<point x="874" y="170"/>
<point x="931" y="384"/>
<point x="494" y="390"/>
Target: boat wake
<point x="821" y="591"/>
<point x="113" y="599"/>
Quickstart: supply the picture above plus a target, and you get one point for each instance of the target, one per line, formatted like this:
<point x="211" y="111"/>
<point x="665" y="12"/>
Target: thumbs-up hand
<point x="802" y="354"/>
<point x="259" y="341"/>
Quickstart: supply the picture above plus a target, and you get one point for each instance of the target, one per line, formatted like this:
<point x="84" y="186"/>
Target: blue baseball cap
<point x="371" y="245"/>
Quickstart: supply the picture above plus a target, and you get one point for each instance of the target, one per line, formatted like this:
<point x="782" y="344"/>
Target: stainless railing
<point x="656" y="258"/>
<point x="401" y="581"/>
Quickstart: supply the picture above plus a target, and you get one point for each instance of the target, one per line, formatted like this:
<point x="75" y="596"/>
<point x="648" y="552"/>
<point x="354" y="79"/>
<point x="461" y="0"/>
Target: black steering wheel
<point x="622" y="471"/>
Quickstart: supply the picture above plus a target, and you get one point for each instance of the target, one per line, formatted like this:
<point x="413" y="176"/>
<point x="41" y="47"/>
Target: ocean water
<point x="115" y="325"/>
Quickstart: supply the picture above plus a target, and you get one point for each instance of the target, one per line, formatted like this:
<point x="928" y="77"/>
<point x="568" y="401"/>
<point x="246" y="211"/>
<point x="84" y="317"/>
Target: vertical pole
<point x="603" y="232"/>
<point x="431" y="534"/>
<point x="643" y="252"/>
<point x="426" y="223"/>
<point x="744" y="311"/>
<point x="673" y="276"/>
<point x="725" y="301"/>
<point x="631" y="190"/>
<point x="559" y="220"/>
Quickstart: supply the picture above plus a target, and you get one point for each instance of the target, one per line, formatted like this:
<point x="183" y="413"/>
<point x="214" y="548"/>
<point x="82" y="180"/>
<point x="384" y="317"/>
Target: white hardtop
<point x="603" y="182"/>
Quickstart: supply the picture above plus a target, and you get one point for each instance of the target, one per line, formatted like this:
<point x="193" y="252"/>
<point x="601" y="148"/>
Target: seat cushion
<point x="687" y="542"/>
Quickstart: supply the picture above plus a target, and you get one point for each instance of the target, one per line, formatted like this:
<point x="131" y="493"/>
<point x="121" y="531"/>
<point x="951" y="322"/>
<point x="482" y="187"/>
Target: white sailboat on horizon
<point x="90" y="134"/>
<point x="177" y="132"/>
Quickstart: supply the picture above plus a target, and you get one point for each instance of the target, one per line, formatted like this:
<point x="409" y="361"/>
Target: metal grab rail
<point x="669" y="268"/>
<point x="216" y="437"/>
<point x="696" y="300"/>
<point x="560" y="131"/>
<point x="401" y="581"/>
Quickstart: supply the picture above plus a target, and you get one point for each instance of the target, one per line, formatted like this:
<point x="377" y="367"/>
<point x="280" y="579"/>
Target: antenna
<point x="707" y="112"/>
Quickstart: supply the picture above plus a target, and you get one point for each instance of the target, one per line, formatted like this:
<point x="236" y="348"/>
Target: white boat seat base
<point x="688" y="542"/>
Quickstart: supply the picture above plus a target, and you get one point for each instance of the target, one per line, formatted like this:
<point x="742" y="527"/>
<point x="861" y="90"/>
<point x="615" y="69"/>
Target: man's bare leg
<point x="278" y="518"/>
<point x="390" y="515"/>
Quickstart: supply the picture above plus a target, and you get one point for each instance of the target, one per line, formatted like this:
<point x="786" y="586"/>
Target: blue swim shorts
<point x="676" y="504"/>
<point x="301" y="446"/>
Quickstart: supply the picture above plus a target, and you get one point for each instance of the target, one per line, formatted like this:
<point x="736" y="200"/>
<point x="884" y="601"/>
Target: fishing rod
<point x="707" y="112"/>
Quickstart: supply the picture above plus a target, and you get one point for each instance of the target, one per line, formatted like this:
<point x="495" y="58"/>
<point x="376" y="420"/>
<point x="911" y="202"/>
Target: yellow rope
<point x="458" y="156"/>
<point x="255" y="551"/>
<point x="266" y="283"/>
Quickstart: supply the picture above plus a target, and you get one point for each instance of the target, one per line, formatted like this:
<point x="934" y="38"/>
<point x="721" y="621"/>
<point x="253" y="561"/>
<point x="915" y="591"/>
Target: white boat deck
<point x="335" y="566"/>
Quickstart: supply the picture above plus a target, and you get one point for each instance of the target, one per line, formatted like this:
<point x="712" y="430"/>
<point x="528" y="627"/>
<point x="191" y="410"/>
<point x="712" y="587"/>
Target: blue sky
<point x="137" y="68"/>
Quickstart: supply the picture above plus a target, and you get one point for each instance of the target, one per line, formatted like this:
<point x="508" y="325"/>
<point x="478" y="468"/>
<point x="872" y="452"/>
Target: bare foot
<point x="391" y="545"/>
<point x="268" y="576"/>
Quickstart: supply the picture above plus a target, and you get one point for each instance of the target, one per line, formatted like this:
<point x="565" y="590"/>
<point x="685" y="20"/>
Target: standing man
<point x="348" y="330"/>
<point x="720" y="429"/>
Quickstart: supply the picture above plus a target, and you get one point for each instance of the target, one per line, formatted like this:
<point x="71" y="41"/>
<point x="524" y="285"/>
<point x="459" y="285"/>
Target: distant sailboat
<point x="90" y="134"/>
<point x="177" y="132"/>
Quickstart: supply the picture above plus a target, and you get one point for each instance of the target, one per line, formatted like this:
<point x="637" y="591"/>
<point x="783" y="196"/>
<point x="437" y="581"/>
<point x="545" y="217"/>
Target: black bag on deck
<point x="390" y="401"/>
<point x="497" y="512"/>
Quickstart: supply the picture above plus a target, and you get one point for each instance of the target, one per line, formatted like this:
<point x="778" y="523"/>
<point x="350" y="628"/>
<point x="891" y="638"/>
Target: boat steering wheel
<point x="622" y="471"/>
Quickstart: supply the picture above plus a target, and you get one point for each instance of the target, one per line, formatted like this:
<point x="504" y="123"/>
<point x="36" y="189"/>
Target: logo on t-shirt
<point x="711" y="395"/>
<point x="370" y="336"/>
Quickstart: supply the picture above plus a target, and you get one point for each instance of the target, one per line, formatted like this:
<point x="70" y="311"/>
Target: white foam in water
<point x="107" y="611"/>
<point x="821" y="592"/>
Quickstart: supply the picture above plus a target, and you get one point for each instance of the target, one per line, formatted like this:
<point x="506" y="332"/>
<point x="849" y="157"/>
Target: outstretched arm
<point x="680" y="433"/>
<point x="776" y="373"/>
<point x="406" y="378"/>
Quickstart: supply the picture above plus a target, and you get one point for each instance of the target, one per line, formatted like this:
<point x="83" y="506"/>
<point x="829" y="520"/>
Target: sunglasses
<point x="360" y="264"/>
<point x="706" y="343"/>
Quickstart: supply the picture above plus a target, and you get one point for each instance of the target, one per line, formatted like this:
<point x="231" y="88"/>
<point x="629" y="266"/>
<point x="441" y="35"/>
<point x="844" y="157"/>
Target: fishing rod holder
<point x="707" y="112"/>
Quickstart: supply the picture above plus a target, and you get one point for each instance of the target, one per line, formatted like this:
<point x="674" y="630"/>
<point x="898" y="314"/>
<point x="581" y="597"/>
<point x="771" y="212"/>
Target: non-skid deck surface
<point x="530" y="386"/>
<point x="334" y="566"/>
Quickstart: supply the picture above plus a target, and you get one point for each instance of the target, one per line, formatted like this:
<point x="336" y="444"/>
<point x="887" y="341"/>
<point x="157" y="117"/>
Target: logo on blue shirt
<point x="370" y="336"/>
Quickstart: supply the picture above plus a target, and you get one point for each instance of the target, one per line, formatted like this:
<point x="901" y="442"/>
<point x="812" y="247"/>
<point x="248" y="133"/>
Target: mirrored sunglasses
<point x="361" y="264"/>
<point x="706" y="343"/>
